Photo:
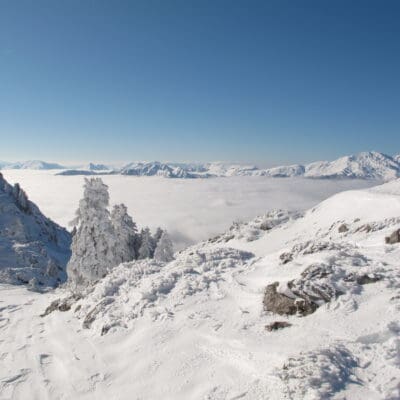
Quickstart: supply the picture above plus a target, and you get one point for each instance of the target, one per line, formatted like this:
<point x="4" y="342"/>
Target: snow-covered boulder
<point x="33" y="249"/>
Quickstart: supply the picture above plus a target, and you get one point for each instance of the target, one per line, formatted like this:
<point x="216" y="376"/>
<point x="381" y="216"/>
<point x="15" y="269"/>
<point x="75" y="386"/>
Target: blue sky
<point x="252" y="81"/>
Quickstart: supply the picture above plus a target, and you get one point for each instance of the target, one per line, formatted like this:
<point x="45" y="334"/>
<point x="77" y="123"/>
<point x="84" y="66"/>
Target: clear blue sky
<point x="262" y="81"/>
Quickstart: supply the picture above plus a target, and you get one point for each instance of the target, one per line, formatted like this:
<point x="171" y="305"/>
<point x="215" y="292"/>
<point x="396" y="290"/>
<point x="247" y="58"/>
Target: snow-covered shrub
<point x="125" y="231"/>
<point x="147" y="245"/>
<point x="164" y="250"/>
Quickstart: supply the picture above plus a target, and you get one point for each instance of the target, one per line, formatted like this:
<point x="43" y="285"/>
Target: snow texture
<point x="194" y="328"/>
<point x="33" y="249"/>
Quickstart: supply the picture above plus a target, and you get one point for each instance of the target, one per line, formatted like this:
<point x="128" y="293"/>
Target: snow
<point x="31" y="164"/>
<point x="191" y="210"/>
<point x="194" y="328"/>
<point x="369" y="165"/>
<point x="366" y="165"/>
<point x="33" y="249"/>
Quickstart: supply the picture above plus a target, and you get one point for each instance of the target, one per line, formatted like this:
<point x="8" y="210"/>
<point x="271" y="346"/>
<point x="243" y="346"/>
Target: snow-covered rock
<point x="33" y="249"/>
<point x="285" y="171"/>
<point x="155" y="169"/>
<point x="254" y="229"/>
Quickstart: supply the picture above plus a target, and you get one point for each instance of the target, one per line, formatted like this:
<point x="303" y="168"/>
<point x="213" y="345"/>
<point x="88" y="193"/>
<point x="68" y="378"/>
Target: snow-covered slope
<point x="205" y="325"/>
<point x="32" y="247"/>
<point x="225" y="169"/>
<point x="369" y="165"/>
<point x="32" y="164"/>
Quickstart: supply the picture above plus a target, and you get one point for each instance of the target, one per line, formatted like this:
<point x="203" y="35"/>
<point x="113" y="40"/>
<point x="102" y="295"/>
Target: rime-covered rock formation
<point x="33" y="249"/>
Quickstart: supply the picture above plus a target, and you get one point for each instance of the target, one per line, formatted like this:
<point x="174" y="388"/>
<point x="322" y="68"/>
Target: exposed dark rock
<point x="280" y="304"/>
<point x="364" y="228"/>
<point x="265" y="226"/>
<point x="92" y="315"/>
<point x="343" y="228"/>
<point x="393" y="238"/>
<point x="286" y="257"/>
<point x="366" y="279"/>
<point x="277" y="325"/>
<point x="61" y="304"/>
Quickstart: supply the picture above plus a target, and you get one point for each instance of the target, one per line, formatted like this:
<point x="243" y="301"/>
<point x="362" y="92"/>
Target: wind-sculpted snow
<point x="133" y="288"/>
<point x="318" y="374"/>
<point x="33" y="249"/>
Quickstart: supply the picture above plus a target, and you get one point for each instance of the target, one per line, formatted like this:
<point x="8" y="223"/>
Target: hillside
<point x="206" y="326"/>
<point x="33" y="249"/>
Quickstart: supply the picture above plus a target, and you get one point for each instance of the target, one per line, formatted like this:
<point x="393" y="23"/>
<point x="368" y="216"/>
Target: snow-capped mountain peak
<point x="366" y="165"/>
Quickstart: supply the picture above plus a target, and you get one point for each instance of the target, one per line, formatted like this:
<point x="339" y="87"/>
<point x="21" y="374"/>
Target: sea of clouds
<point x="191" y="210"/>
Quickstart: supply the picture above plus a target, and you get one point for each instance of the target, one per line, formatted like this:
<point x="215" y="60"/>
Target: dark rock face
<point x="280" y="304"/>
<point x="366" y="279"/>
<point x="393" y="238"/>
<point x="343" y="228"/>
<point x="277" y="325"/>
<point x="364" y="228"/>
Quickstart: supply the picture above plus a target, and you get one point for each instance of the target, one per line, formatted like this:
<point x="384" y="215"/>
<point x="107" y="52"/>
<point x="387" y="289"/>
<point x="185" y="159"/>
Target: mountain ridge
<point x="364" y="165"/>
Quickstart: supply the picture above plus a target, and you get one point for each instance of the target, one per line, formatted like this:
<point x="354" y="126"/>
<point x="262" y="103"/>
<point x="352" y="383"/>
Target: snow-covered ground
<point x="191" y="210"/>
<point x="195" y="328"/>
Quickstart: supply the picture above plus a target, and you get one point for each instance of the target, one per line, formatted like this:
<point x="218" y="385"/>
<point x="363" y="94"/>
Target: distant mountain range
<point x="366" y="165"/>
<point x="32" y="164"/>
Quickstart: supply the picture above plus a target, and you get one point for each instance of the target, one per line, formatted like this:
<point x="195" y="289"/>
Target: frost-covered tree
<point x="146" y="244"/>
<point x="126" y="232"/>
<point x="94" y="242"/>
<point x="164" y="250"/>
<point x="157" y="235"/>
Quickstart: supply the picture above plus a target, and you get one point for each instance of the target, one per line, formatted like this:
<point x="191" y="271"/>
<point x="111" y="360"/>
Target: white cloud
<point x="191" y="210"/>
